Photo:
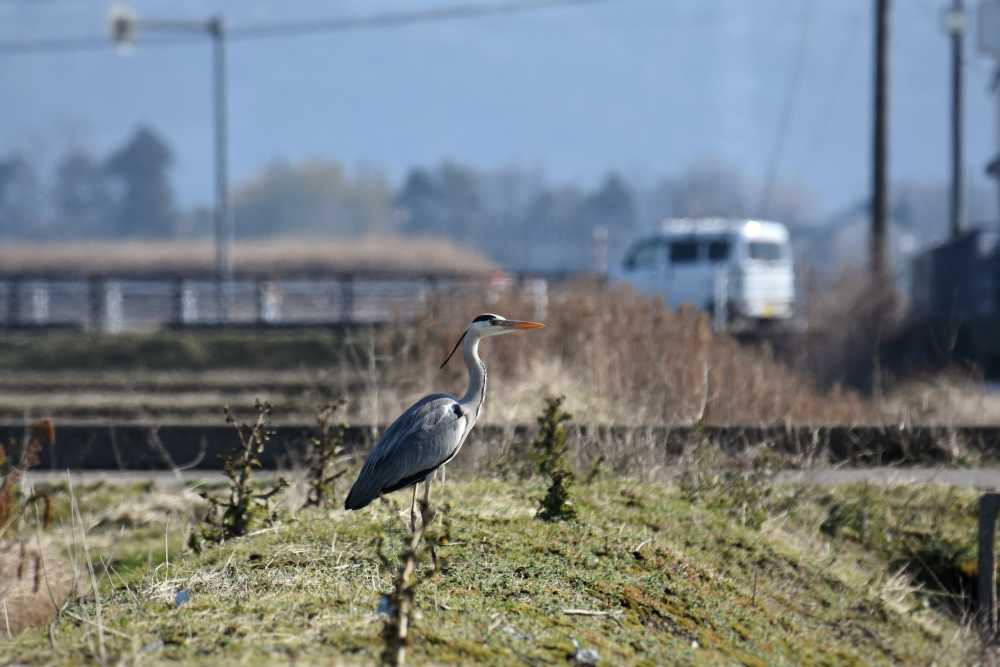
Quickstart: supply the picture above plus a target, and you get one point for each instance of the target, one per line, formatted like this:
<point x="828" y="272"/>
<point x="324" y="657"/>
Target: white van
<point x="739" y="270"/>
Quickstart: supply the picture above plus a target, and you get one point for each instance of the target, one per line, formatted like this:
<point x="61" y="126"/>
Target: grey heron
<point x="431" y="431"/>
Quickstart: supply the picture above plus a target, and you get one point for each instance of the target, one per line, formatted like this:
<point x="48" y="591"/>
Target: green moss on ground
<point x="170" y="350"/>
<point x="679" y="582"/>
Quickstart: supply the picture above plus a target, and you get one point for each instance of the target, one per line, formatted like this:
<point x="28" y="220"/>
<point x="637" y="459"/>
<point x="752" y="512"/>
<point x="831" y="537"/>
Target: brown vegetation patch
<point x="34" y="584"/>
<point x="850" y="323"/>
<point x="648" y="363"/>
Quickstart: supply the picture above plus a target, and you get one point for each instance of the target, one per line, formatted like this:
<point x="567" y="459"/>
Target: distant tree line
<point x="511" y="214"/>
<point x="124" y="195"/>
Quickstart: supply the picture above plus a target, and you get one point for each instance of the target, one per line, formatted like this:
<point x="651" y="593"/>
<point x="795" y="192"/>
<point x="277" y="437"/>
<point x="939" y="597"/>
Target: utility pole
<point x="124" y="26"/>
<point x="880" y="148"/>
<point x="955" y="25"/>
<point x="223" y="223"/>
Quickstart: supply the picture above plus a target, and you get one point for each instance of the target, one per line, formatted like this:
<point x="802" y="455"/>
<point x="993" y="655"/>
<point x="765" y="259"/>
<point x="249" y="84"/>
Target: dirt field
<point x="274" y="255"/>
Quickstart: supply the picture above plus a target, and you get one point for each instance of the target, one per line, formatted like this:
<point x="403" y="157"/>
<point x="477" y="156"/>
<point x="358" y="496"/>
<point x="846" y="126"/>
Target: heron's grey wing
<point x="428" y="434"/>
<point x="425" y="413"/>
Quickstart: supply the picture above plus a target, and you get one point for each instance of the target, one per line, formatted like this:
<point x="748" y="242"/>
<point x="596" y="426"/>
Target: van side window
<point x="683" y="252"/>
<point x="718" y="250"/>
<point x="646" y="257"/>
<point x="767" y="251"/>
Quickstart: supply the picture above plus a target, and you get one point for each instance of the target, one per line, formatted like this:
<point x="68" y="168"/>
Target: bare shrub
<point x="233" y="515"/>
<point x="325" y="451"/>
<point x="398" y="605"/>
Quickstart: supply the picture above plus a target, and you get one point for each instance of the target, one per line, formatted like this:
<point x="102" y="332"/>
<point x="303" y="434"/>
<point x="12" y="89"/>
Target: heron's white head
<point x="491" y="324"/>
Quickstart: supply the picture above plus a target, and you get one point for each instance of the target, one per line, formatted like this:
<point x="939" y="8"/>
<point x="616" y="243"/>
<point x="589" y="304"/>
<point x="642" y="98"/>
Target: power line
<point x="841" y="59"/>
<point x="398" y="19"/>
<point x="383" y="20"/>
<point x="55" y="45"/>
<point x="785" y="120"/>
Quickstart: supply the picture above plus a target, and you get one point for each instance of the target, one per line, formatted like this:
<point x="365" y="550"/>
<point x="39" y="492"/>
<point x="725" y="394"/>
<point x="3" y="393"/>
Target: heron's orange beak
<point x="518" y="324"/>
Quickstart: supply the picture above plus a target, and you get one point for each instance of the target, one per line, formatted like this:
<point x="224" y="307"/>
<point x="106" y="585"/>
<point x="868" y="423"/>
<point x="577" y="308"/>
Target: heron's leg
<point x="413" y="515"/>
<point x="442" y="474"/>
<point x="426" y="513"/>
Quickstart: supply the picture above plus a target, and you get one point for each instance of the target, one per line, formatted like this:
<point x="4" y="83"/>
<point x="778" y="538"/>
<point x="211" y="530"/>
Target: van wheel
<point x="727" y="316"/>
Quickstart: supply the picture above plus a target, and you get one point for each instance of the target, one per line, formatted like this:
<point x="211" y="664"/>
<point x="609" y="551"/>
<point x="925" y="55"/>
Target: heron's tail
<point x="357" y="498"/>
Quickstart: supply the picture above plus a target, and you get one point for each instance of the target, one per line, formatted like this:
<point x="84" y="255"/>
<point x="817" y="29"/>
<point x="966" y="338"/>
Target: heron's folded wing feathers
<point x="421" y="439"/>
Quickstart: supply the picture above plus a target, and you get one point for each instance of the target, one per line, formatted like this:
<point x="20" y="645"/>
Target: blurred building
<point x="954" y="314"/>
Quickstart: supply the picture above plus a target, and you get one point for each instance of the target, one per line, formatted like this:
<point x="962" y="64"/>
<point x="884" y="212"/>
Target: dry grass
<point x="850" y="323"/>
<point x="94" y="541"/>
<point x="419" y="255"/>
<point x="618" y="357"/>
<point x="951" y="398"/>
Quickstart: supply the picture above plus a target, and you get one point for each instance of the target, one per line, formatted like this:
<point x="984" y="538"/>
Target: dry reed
<point x="192" y="257"/>
<point x="622" y="357"/>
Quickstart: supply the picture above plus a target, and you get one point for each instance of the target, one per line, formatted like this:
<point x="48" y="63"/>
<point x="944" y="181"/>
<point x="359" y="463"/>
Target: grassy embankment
<point x="714" y="570"/>
<point x="209" y="350"/>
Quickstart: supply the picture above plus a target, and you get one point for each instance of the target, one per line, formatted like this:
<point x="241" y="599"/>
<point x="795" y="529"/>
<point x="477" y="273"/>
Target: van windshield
<point x="766" y="251"/>
<point x="645" y="257"/>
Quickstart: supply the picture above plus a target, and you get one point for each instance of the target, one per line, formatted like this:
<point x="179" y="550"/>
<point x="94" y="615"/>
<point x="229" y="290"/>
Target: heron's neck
<point x="475" y="395"/>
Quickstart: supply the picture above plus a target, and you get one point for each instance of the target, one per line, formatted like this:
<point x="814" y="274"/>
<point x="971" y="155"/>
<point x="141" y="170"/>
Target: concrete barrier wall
<point x="138" y="447"/>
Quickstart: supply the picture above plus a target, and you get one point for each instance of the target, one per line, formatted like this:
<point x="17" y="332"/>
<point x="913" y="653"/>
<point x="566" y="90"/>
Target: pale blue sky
<point x="643" y="86"/>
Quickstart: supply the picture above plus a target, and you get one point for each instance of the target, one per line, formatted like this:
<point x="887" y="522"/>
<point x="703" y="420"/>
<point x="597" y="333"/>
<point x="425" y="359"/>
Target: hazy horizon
<point x="642" y="87"/>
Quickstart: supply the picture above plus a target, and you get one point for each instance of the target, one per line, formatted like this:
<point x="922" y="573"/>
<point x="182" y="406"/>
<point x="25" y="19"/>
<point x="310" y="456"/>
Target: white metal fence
<point x="117" y="304"/>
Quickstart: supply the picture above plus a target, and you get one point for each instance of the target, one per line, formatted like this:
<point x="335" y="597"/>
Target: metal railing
<point x="128" y="302"/>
